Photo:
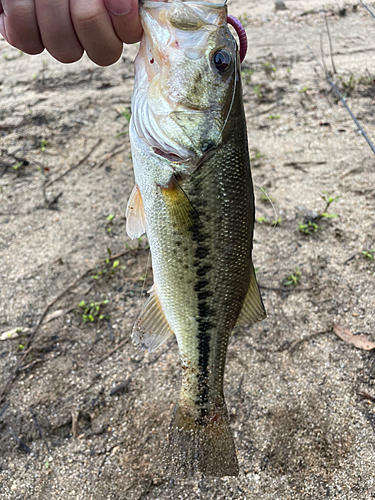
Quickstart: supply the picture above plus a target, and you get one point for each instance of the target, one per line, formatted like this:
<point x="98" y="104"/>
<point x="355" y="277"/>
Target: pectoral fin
<point x="135" y="215"/>
<point x="181" y="213"/>
<point x="253" y="308"/>
<point x="151" y="328"/>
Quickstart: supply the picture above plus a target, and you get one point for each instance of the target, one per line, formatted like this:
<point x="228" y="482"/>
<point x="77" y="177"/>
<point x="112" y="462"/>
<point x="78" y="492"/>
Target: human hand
<point x="68" y="28"/>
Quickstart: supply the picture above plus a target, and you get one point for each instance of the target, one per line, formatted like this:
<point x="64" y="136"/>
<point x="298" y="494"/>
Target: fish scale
<point x="197" y="208"/>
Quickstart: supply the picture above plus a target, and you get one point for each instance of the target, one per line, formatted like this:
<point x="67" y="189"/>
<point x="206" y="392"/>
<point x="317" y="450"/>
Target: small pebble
<point x="280" y="5"/>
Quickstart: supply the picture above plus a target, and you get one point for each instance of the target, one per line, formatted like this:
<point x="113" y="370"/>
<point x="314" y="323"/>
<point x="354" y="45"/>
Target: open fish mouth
<point x="185" y="70"/>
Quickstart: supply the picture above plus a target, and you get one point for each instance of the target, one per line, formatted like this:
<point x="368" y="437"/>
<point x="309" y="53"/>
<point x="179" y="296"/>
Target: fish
<point x="194" y="199"/>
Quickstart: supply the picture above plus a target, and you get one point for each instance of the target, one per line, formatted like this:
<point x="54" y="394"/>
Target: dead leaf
<point x="359" y="341"/>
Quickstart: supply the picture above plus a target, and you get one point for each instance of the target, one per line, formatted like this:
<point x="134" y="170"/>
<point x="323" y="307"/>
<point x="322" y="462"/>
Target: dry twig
<point x="39" y="429"/>
<point x="370" y="11"/>
<point x="330" y="45"/>
<point x="366" y="395"/>
<point x="343" y="101"/>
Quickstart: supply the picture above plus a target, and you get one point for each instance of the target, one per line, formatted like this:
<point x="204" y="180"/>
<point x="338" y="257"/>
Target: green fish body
<point x="194" y="198"/>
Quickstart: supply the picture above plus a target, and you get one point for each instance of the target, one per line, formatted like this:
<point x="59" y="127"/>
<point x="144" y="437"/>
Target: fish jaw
<point x="181" y="101"/>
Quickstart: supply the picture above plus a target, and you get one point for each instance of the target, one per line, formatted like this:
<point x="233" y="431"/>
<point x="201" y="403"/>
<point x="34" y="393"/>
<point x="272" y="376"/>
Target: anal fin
<point x="252" y="308"/>
<point x="151" y="329"/>
<point x="135" y="215"/>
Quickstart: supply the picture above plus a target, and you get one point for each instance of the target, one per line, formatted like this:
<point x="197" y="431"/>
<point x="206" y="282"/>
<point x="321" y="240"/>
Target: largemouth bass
<point x="194" y="198"/>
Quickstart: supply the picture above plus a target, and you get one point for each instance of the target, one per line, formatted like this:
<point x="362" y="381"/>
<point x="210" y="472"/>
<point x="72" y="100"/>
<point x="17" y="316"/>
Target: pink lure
<point x="241" y="35"/>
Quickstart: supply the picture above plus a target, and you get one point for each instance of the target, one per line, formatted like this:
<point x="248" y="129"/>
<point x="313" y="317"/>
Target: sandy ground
<point x="301" y="401"/>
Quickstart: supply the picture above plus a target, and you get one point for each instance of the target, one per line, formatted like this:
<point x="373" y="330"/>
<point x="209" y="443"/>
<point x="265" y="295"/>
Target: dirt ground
<point x="83" y="420"/>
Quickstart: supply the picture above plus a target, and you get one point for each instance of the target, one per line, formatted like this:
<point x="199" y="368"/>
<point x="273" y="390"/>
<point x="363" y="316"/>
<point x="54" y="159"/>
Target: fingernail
<point x="119" y="7"/>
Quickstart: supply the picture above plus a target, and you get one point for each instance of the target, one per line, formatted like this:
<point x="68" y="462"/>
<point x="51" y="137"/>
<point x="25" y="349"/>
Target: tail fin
<point x="205" y="445"/>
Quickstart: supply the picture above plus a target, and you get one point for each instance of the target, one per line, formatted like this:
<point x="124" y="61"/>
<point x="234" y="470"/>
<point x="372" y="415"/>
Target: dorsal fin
<point x="253" y="308"/>
<point x="135" y="215"/>
<point x="151" y="328"/>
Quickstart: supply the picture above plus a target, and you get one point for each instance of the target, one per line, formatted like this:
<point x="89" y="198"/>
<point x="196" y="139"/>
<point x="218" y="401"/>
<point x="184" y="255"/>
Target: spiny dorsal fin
<point x="253" y="308"/>
<point x="135" y="215"/>
<point x="151" y="328"/>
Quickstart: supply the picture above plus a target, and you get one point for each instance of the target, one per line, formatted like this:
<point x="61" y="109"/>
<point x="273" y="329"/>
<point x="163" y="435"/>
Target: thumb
<point x="125" y="19"/>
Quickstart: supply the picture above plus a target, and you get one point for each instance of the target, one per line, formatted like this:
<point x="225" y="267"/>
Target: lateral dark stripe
<point x="205" y="312"/>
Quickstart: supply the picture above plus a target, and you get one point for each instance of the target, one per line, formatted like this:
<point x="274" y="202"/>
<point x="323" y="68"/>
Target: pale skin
<point x="68" y="28"/>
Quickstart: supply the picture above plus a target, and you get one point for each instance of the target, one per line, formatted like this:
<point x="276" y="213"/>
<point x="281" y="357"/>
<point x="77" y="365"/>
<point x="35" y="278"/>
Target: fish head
<point x="187" y="71"/>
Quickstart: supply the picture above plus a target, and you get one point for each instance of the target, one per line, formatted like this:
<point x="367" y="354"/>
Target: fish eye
<point x="222" y="59"/>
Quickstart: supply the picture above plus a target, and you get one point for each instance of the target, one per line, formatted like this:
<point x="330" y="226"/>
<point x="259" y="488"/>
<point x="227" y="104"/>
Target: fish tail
<point x="203" y="444"/>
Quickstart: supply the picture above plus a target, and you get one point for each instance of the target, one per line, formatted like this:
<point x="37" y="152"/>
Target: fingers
<point x="68" y="27"/>
<point x="94" y="29"/>
<point x="125" y="19"/>
<point x="57" y="31"/>
<point x="19" y="27"/>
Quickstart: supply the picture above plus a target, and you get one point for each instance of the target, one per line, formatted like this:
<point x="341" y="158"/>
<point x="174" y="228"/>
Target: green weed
<point x="368" y="254"/>
<point x="257" y="156"/>
<point x="274" y="117"/>
<point x="110" y="266"/>
<point x="367" y="80"/>
<point x="269" y="69"/>
<point x="125" y="112"/>
<point x="265" y="197"/>
<point x="17" y="166"/>
<point x="121" y="133"/>
<point x="110" y="221"/>
<point x="43" y="145"/>
<point x="257" y="91"/>
<point x="350" y="84"/>
<point x="293" y="279"/>
<point x="243" y="18"/>
<point x="328" y="200"/>
<point x="269" y="222"/>
<point x="92" y="311"/>
<point x="308" y="228"/>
